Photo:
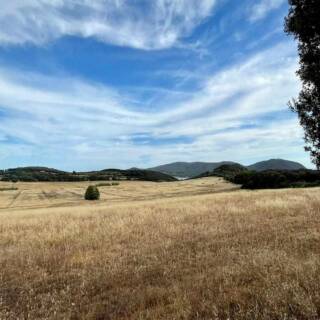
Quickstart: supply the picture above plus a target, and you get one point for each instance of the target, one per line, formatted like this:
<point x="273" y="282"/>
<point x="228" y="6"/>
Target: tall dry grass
<point x="240" y="255"/>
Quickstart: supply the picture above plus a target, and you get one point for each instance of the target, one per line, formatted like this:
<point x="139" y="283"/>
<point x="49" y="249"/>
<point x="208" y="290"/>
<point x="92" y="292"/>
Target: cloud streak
<point x="261" y="9"/>
<point x="83" y="120"/>
<point x="148" y="25"/>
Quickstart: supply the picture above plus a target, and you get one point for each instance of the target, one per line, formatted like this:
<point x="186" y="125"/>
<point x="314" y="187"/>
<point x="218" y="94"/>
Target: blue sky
<point x="93" y="84"/>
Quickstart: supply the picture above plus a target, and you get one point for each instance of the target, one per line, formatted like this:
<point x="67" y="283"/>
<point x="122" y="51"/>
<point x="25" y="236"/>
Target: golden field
<point x="196" y="249"/>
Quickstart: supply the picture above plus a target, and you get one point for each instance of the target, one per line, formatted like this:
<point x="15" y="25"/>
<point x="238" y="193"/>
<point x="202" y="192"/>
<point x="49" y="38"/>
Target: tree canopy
<point x="303" y="22"/>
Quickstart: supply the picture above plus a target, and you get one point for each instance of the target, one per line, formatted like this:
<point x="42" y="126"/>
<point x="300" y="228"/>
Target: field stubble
<point x="232" y="255"/>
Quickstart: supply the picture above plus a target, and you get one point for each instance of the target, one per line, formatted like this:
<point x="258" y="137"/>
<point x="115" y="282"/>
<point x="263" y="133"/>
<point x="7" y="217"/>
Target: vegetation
<point x="35" y="174"/>
<point x="107" y="184"/>
<point x="9" y="189"/>
<point x="188" y="169"/>
<point x="34" y="195"/>
<point x="276" y="164"/>
<point x="197" y="169"/>
<point x="239" y="255"/>
<point x="304" y="24"/>
<point x="92" y="193"/>
<point x="227" y="171"/>
<point x="278" y="179"/>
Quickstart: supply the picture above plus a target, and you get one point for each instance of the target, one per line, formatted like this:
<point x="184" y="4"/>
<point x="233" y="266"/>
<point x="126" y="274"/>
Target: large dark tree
<point x="303" y="21"/>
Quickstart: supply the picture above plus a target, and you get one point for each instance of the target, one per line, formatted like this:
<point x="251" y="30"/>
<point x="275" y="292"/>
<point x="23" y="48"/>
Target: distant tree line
<point x="40" y="174"/>
<point x="277" y="179"/>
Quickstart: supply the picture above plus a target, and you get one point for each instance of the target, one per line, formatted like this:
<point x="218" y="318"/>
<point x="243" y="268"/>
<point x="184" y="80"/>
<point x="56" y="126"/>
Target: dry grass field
<point x="62" y="194"/>
<point x="185" y="250"/>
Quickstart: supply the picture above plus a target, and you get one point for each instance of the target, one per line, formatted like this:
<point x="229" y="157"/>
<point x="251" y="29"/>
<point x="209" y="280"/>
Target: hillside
<point x="227" y="171"/>
<point x="276" y="164"/>
<point x="189" y="169"/>
<point x="33" y="174"/>
<point x="195" y="169"/>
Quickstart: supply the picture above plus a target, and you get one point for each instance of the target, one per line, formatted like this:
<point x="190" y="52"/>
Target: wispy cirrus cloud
<point x="224" y="118"/>
<point x="261" y="9"/>
<point x="154" y="24"/>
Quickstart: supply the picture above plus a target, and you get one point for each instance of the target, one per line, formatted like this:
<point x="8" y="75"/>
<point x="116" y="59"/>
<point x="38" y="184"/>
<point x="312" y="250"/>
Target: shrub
<point x="103" y="184"/>
<point x="8" y="189"/>
<point x="106" y="184"/>
<point x="92" y="193"/>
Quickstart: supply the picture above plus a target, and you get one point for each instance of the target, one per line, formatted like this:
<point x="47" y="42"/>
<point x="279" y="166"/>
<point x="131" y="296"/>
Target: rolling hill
<point x="276" y="164"/>
<point x="195" y="169"/>
<point x="188" y="169"/>
<point x="227" y="171"/>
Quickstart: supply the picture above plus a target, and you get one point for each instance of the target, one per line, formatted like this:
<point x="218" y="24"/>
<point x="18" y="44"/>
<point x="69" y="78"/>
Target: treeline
<point x="277" y="179"/>
<point x="40" y="174"/>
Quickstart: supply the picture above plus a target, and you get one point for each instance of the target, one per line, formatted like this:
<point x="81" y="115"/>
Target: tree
<point x="92" y="193"/>
<point x="303" y="22"/>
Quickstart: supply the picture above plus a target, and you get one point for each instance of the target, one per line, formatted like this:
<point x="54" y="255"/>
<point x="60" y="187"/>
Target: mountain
<point x="188" y="169"/>
<point x="195" y="169"/>
<point x="227" y="171"/>
<point x="276" y="164"/>
<point x="30" y="174"/>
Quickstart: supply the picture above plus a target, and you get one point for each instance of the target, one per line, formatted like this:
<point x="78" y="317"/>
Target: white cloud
<point x="224" y="119"/>
<point x="154" y="24"/>
<point x="261" y="9"/>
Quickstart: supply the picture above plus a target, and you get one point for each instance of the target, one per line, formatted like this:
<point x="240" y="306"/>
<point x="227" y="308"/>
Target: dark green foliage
<point x="278" y="179"/>
<point x="303" y="22"/>
<point x="30" y="174"/>
<point x="148" y="175"/>
<point x="276" y="164"/>
<point x="227" y="171"/>
<point x="92" y="193"/>
<point x="188" y="169"/>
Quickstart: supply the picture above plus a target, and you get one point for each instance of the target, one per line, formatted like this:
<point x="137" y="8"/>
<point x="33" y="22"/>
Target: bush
<point x="92" y="193"/>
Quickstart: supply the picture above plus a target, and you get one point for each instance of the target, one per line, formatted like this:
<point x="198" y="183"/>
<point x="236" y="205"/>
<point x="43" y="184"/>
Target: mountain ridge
<point x="188" y="169"/>
<point x="193" y="169"/>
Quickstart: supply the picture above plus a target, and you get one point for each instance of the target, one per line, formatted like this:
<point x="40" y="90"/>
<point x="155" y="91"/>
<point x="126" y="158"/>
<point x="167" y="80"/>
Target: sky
<point x="95" y="84"/>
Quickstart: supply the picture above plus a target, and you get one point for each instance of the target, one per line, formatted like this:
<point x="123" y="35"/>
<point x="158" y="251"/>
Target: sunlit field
<point x="196" y="249"/>
<point x="60" y="194"/>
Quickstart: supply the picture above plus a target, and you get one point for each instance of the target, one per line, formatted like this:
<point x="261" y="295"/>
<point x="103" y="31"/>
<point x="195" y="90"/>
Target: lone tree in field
<point x="303" y="22"/>
<point x="92" y="193"/>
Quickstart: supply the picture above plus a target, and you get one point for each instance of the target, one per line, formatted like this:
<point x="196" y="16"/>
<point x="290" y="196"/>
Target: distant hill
<point x="30" y="174"/>
<point x="188" y="169"/>
<point x="195" y="169"/>
<point x="276" y="164"/>
<point x="227" y="171"/>
<point x="165" y="172"/>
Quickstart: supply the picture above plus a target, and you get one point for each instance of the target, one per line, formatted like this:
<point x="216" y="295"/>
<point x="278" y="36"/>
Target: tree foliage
<point x="303" y="22"/>
<point x="92" y="193"/>
<point x="273" y="179"/>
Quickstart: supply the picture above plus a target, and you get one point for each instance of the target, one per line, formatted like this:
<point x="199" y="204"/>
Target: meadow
<point x="200" y="249"/>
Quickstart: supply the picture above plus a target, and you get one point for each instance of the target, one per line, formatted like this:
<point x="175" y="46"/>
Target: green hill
<point x="227" y="171"/>
<point x="29" y="174"/>
<point x="188" y="169"/>
<point x="194" y="169"/>
<point x="276" y="164"/>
